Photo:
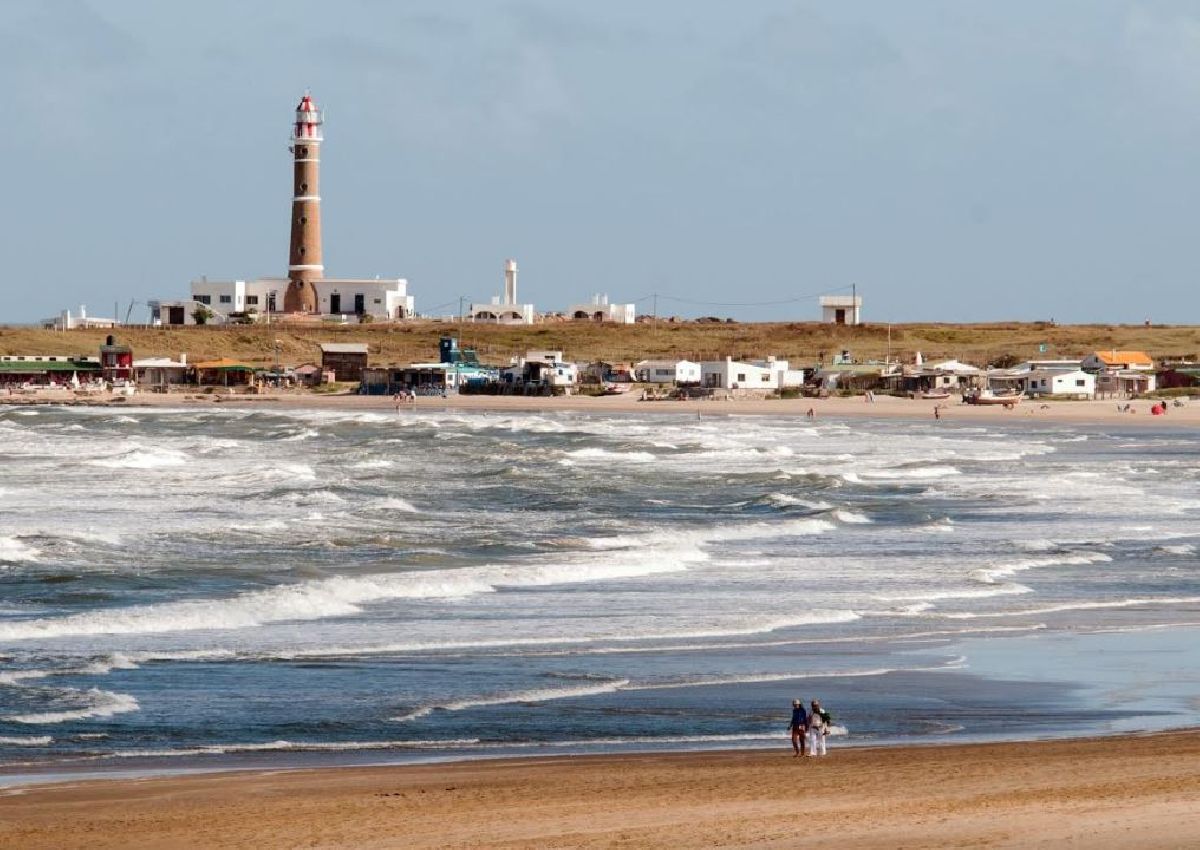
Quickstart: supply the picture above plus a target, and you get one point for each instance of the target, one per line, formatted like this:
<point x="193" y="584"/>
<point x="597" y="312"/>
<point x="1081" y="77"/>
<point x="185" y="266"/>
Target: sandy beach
<point x="1097" y="793"/>
<point x="1097" y="412"/>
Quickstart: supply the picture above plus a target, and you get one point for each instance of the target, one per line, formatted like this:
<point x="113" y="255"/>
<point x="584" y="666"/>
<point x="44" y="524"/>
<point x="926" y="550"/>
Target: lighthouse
<point x="304" y="255"/>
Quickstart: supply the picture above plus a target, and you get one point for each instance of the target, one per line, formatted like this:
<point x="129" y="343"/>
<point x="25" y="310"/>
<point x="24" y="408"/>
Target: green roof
<point x="31" y="366"/>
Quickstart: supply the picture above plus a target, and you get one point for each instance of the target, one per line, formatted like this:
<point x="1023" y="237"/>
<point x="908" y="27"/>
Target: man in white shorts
<point x="817" y="730"/>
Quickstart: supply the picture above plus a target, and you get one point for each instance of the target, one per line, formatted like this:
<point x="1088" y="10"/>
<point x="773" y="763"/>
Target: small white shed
<point x="1042" y="382"/>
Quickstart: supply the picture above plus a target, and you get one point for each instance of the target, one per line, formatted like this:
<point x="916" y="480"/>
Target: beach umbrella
<point x="75" y="380"/>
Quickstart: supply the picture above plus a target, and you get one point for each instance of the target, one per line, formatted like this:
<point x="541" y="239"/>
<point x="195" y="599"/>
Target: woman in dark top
<point x="799" y="727"/>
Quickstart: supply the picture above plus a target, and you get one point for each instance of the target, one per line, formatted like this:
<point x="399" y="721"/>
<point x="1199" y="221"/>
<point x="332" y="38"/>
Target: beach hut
<point x="345" y="359"/>
<point x="223" y="372"/>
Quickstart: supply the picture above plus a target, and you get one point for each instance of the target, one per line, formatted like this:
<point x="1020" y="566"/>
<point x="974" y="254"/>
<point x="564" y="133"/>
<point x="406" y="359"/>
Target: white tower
<point x="510" y="281"/>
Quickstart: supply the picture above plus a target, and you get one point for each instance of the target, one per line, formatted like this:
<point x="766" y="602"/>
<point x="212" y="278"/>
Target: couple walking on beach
<point x="809" y="728"/>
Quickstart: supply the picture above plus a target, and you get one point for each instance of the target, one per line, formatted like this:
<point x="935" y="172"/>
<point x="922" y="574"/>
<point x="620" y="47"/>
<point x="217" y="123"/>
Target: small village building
<point x="841" y="309"/>
<point x="116" y="361"/>
<point x="603" y="372"/>
<point x="345" y="359"/>
<point x="160" y="373"/>
<point x="1044" y="382"/>
<point x="1180" y="376"/>
<point x="424" y="378"/>
<point x="504" y="309"/>
<point x="541" y="369"/>
<point x="854" y="377"/>
<point x="667" y="372"/>
<point x="1050" y="365"/>
<point x="1121" y="373"/>
<point x="953" y="374"/>
<point x="730" y="374"/>
<point x="376" y="298"/>
<point x="308" y="374"/>
<point x="66" y="321"/>
<point x="226" y="300"/>
<point x="1122" y="360"/>
<point x="785" y="376"/>
<point x="46" y="370"/>
<point x="222" y="372"/>
<point x="601" y="310"/>
<point x="455" y="369"/>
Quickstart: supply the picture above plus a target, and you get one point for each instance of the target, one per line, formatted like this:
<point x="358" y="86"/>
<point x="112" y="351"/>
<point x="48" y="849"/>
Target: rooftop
<point x="1111" y="358"/>
<point x="344" y="348"/>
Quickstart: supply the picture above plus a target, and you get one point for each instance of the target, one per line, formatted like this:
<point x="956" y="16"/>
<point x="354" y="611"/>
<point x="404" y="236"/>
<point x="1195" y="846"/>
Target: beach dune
<point x="1140" y="791"/>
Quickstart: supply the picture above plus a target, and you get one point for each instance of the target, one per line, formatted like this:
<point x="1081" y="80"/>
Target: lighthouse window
<point x="303" y="151"/>
<point x="304" y="219"/>
<point x="302" y="252"/>
<point x="303" y="187"/>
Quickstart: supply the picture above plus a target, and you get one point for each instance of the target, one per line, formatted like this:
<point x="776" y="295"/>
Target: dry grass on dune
<point x="803" y="342"/>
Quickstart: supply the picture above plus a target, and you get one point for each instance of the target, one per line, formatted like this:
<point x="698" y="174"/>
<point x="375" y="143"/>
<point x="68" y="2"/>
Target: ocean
<point x="229" y="587"/>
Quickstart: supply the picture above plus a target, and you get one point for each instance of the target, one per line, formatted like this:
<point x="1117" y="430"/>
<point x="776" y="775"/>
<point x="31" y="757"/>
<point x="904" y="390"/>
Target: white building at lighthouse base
<point x="501" y="313"/>
<point x="381" y="299"/>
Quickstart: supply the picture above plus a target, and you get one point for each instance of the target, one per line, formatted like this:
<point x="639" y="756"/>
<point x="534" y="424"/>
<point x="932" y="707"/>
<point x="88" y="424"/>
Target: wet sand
<point x="1140" y="791"/>
<point x="884" y="407"/>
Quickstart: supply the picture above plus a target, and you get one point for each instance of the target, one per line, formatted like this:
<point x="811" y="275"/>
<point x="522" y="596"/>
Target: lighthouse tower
<point x="304" y="256"/>
<point x="510" y="281"/>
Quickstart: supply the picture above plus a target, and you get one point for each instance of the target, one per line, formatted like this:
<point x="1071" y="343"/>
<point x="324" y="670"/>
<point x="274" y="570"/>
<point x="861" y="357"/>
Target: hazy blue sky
<point x="957" y="160"/>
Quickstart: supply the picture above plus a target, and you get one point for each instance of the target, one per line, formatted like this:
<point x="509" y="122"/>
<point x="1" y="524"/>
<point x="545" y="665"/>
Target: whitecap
<point x="394" y="503"/>
<point x="530" y="696"/>
<point x="989" y="575"/>
<point x="606" y="455"/>
<point x="102" y="704"/>
<point x="14" y="549"/>
<point x="25" y="741"/>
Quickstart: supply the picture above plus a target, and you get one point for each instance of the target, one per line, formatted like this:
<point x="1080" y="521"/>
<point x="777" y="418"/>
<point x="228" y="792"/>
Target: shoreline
<point x="1107" y="791"/>
<point x="1094" y="412"/>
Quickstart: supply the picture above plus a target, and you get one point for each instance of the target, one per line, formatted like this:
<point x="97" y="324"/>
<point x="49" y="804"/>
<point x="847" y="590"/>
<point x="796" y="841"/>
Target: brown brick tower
<point x="304" y="257"/>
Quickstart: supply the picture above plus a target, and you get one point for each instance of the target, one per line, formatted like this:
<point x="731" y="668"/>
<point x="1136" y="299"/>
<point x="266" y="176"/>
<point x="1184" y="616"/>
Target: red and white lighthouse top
<point x="309" y="119"/>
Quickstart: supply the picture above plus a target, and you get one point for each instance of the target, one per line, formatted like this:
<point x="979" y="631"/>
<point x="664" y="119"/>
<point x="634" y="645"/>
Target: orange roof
<point x="1114" y="358"/>
<point x="223" y="363"/>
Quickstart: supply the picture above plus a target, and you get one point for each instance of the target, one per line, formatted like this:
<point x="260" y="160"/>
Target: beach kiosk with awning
<point x="223" y="372"/>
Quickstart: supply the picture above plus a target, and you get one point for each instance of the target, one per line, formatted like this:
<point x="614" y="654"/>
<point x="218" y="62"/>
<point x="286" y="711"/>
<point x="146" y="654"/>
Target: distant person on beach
<point x="799" y="727"/>
<point x="937" y="411"/>
<point x="818" y="728"/>
<point x="812" y="414"/>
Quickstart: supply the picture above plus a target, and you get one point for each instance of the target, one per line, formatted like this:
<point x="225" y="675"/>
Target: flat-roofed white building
<point x="1055" y="383"/>
<point x="377" y="298"/>
<point x="381" y="299"/>
<point x="841" y="309"/>
<point x="730" y="374"/>
<point x="160" y="371"/>
<point x="785" y="376"/>
<point x="600" y="309"/>
<point x="67" y="321"/>
<point x="504" y="309"/>
<point x="667" y="372"/>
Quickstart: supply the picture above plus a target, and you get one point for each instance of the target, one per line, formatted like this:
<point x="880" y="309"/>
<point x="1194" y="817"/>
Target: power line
<point x="746" y="303"/>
